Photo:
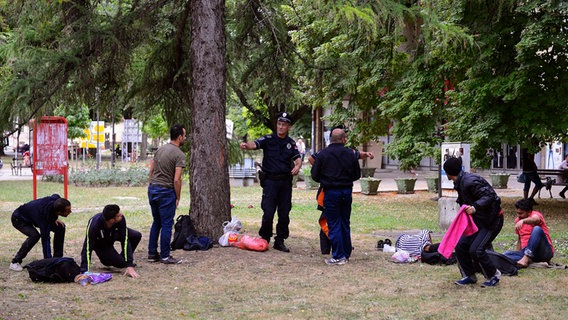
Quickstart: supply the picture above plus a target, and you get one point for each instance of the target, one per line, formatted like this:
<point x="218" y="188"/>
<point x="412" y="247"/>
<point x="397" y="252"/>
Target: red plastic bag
<point x="251" y="243"/>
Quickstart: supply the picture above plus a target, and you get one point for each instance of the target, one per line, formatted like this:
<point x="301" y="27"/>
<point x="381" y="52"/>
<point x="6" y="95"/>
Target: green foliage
<point x="77" y="120"/>
<point x="74" y="53"/>
<point x="505" y="59"/>
<point x="235" y="154"/>
<point x="514" y="84"/>
<point x="263" y="66"/>
<point x="348" y="53"/>
<point x="156" y="127"/>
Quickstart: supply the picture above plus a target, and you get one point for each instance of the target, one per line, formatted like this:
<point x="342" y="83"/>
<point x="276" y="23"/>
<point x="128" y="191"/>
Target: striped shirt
<point x="413" y="244"/>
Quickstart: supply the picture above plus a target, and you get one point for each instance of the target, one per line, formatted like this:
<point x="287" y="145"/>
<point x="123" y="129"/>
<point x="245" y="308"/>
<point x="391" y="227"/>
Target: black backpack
<point x="507" y="266"/>
<point x="53" y="270"/>
<point x="432" y="256"/>
<point x="182" y="230"/>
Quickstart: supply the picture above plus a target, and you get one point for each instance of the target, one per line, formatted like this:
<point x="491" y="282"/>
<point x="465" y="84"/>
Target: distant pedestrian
<point x="530" y="171"/>
<point x="301" y="148"/>
<point x="563" y="178"/>
<point x="44" y="214"/>
<point x="335" y="168"/>
<point x="164" y="193"/>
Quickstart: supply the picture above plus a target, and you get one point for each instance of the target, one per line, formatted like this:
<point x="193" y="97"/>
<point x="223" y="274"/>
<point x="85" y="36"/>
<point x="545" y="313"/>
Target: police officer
<point x="280" y="162"/>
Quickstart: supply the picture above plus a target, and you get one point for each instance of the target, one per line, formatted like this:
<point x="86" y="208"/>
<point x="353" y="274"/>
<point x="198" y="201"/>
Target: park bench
<point x="16" y="166"/>
<point x="550" y="177"/>
<point x="242" y="177"/>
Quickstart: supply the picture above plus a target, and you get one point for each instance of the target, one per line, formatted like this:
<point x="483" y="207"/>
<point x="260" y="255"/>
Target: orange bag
<point x="251" y="243"/>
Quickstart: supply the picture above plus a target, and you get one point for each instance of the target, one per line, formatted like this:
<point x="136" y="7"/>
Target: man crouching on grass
<point x="103" y="230"/>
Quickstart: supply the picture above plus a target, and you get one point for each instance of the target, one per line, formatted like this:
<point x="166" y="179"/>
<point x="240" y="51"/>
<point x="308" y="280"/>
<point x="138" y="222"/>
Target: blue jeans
<point x="337" y="203"/>
<point x="538" y="248"/>
<point x="532" y="176"/>
<point x="163" y="205"/>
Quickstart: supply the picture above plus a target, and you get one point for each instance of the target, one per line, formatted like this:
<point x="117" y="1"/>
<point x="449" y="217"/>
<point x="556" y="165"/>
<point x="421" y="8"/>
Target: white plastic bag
<point x="400" y="256"/>
<point x="234" y="225"/>
<point x="230" y="232"/>
<point x="228" y="239"/>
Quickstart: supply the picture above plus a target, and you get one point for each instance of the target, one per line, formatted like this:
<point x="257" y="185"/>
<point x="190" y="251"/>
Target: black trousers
<point x="471" y="251"/>
<point x="33" y="237"/>
<point x="276" y="196"/>
<point x="110" y="257"/>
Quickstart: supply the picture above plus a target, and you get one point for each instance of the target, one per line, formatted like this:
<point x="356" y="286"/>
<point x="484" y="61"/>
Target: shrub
<point x="120" y="177"/>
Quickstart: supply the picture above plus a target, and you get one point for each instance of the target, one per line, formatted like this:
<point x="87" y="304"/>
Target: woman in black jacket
<point x="485" y="207"/>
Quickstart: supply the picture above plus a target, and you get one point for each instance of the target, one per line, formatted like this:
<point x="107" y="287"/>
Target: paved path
<point x="514" y="189"/>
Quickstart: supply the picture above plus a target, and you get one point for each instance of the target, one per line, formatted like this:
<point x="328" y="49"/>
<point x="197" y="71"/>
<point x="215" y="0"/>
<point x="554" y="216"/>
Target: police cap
<point x="284" y="117"/>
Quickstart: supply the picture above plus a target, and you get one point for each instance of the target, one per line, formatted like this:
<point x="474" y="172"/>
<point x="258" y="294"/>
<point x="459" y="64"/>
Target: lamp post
<point x="440" y="136"/>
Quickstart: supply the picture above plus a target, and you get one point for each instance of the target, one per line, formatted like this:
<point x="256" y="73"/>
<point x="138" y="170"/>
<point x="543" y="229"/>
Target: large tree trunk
<point x="209" y="171"/>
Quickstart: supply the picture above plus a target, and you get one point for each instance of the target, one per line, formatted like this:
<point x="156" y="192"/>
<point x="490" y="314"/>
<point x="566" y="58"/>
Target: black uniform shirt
<point x="279" y="154"/>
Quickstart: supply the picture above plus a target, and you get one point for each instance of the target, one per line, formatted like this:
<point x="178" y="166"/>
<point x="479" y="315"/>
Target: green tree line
<point x="486" y="72"/>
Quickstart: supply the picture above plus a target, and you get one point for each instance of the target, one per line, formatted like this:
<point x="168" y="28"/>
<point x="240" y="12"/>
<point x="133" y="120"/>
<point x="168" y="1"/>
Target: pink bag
<point x="251" y="243"/>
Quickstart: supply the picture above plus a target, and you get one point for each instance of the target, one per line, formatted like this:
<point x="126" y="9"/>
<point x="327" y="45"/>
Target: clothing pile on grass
<point x="410" y="248"/>
<point x="232" y="237"/>
<point x="186" y="238"/>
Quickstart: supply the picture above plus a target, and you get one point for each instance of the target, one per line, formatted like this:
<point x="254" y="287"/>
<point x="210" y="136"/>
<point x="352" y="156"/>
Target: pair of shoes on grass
<point x="381" y="243"/>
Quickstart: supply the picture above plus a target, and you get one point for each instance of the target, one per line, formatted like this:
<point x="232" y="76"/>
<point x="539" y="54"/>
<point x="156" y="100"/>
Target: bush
<point x="120" y="177"/>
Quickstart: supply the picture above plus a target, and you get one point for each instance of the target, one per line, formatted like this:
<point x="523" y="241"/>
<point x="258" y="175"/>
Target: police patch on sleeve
<point x="289" y="146"/>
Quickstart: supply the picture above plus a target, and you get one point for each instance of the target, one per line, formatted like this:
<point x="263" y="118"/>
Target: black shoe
<point x="154" y="257"/>
<point x="171" y="260"/>
<point x="280" y="246"/>
<point x="380" y="245"/>
<point x="562" y="195"/>
<point x="534" y="203"/>
<point x="388" y="242"/>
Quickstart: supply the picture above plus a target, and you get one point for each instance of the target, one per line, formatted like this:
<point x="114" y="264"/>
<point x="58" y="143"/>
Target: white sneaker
<point x="16" y="267"/>
<point x="336" y="262"/>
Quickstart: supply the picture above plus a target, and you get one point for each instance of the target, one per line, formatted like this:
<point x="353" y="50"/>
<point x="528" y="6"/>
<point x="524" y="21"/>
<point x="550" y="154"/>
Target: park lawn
<point x="230" y="283"/>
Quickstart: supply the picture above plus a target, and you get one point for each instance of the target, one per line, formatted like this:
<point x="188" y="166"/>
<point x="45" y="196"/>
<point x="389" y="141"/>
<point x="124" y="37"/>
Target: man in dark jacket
<point x="485" y="207"/>
<point x="103" y="230"/>
<point x="41" y="213"/>
<point x="335" y="168"/>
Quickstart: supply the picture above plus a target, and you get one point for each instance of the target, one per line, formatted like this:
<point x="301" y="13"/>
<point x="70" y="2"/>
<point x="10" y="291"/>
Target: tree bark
<point x="209" y="171"/>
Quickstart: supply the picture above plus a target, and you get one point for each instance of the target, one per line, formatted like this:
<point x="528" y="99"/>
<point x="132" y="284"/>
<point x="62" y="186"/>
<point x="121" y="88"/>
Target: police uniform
<point x="277" y="163"/>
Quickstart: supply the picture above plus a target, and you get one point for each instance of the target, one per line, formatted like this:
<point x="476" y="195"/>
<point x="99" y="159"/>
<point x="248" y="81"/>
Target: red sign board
<point x="50" y="149"/>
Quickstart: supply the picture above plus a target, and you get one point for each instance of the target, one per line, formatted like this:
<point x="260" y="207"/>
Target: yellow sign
<point x="95" y="133"/>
